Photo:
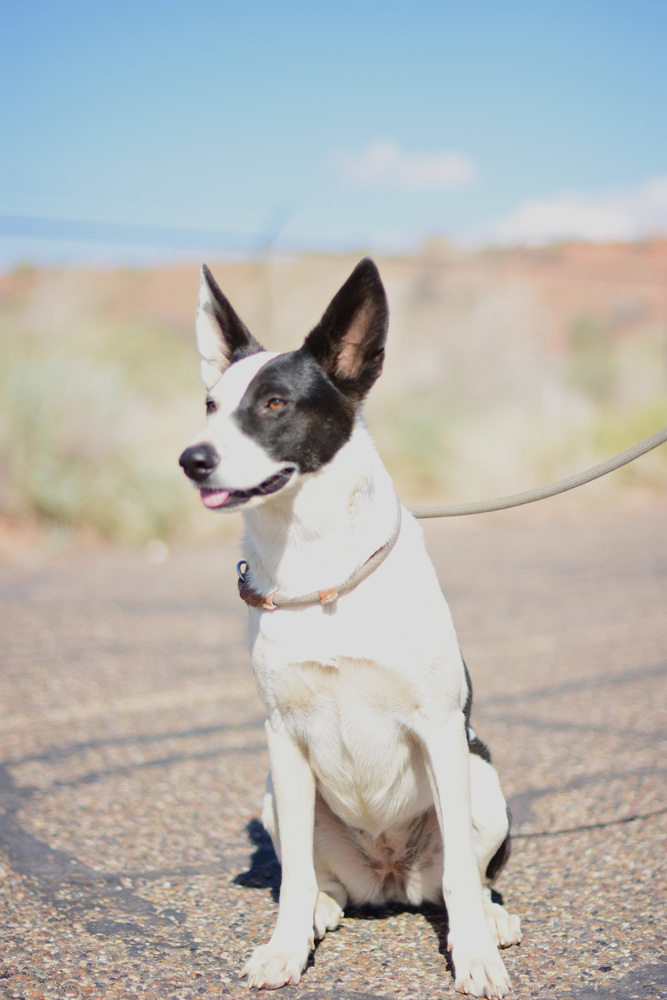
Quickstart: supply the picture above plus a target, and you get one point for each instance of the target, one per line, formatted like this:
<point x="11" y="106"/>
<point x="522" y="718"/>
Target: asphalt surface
<point x="132" y="862"/>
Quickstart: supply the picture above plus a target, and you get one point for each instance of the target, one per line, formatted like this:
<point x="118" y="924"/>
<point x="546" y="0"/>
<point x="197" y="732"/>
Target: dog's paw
<point x="480" y="973"/>
<point x="505" y="927"/>
<point x="328" y="914"/>
<point x="271" y="966"/>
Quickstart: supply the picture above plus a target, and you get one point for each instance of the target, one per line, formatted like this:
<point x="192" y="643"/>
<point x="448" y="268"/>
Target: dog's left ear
<point x="348" y="342"/>
<point x="222" y="337"/>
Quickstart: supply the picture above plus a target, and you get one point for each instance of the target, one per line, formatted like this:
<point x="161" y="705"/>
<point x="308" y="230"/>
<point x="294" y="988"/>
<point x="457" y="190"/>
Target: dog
<point x="379" y="789"/>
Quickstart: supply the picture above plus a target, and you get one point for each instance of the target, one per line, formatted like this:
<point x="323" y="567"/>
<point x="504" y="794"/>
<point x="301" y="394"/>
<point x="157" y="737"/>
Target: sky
<point x="136" y="132"/>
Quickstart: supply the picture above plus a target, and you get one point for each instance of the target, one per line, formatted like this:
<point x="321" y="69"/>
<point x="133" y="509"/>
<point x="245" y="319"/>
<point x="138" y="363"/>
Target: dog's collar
<point x="274" y="600"/>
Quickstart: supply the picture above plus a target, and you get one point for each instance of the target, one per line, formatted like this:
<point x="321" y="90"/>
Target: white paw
<point x="481" y="974"/>
<point x="505" y="928"/>
<point x="270" y="966"/>
<point x="328" y="914"/>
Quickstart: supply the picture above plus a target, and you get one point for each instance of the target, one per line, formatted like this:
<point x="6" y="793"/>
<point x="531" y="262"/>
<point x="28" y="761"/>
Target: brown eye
<point x="276" y="404"/>
<point x="211" y="406"/>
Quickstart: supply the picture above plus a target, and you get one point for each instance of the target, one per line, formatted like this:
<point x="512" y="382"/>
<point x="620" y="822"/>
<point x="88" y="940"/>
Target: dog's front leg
<point x="284" y="958"/>
<point x="478" y="967"/>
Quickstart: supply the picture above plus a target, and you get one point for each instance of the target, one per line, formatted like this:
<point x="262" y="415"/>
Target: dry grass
<point x="503" y="372"/>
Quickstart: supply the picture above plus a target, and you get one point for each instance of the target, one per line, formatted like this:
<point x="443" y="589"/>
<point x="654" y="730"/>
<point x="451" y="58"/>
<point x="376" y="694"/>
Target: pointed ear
<point x="221" y="336"/>
<point x="349" y="340"/>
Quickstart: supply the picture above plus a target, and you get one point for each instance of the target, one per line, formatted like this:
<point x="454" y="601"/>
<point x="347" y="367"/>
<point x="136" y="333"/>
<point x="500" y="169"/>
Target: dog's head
<point x="275" y="417"/>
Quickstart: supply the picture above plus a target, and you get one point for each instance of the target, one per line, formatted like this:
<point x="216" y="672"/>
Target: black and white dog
<point x="379" y="789"/>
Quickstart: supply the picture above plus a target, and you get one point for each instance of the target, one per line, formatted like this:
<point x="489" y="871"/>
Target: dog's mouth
<point x="215" y="499"/>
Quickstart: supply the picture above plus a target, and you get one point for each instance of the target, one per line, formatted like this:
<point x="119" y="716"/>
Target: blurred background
<point x="505" y="164"/>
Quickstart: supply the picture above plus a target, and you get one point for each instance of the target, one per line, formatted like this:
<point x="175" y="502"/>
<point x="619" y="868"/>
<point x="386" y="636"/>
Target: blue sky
<point x="335" y="125"/>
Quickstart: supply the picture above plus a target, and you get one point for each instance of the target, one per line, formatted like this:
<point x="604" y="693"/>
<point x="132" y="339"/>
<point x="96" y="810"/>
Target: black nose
<point x="198" y="461"/>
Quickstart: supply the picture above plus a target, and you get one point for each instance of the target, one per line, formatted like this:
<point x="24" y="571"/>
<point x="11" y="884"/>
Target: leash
<point x="274" y="600"/>
<point x="542" y="492"/>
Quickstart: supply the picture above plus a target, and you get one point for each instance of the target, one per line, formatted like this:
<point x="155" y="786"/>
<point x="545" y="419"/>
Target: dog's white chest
<point x="353" y="723"/>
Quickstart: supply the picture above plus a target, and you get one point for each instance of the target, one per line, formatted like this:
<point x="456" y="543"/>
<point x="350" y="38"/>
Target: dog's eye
<point x="276" y="404"/>
<point x="211" y="406"/>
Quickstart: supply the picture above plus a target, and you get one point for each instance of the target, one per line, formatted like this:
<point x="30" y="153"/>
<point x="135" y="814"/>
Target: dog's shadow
<point x="264" y="873"/>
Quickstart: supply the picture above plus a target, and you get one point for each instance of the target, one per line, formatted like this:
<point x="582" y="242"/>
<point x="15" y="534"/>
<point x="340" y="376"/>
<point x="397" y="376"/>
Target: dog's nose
<point x="198" y="461"/>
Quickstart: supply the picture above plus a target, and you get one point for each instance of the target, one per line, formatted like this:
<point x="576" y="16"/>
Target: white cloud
<point x="616" y="214"/>
<point x="383" y="162"/>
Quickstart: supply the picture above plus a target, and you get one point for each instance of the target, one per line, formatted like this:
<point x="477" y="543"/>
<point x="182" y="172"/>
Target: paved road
<point x="132" y="864"/>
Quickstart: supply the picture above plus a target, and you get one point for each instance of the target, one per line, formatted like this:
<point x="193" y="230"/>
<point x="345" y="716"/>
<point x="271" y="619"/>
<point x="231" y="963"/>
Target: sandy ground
<point x="132" y="863"/>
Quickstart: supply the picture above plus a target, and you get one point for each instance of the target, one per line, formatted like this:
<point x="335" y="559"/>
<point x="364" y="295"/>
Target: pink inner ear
<point x="350" y="358"/>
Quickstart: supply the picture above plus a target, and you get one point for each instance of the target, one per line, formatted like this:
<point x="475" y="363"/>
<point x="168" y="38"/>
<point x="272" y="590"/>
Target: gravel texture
<point x="132" y="763"/>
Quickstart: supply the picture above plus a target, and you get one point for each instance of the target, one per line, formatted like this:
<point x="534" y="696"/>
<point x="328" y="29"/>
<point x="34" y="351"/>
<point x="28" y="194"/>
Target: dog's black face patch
<point x="295" y="413"/>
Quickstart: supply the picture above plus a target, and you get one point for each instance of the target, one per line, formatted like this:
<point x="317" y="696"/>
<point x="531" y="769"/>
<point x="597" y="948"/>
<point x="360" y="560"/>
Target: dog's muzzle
<point x="198" y="462"/>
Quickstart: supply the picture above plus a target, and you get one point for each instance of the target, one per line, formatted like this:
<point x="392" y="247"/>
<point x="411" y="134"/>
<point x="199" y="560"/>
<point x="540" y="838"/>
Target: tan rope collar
<point x="274" y="600"/>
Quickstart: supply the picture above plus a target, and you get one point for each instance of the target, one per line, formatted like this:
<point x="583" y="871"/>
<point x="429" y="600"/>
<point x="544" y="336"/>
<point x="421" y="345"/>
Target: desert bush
<point x="81" y="435"/>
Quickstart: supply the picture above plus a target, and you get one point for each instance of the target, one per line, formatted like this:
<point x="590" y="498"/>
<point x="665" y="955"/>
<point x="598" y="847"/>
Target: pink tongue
<point x="214" y="498"/>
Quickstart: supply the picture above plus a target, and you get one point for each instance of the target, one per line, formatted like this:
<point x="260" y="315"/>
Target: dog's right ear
<point x="221" y="336"/>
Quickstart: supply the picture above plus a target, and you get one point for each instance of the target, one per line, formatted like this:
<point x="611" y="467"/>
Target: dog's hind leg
<point x="330" y="904"/>
<point x="492" y="845"/>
